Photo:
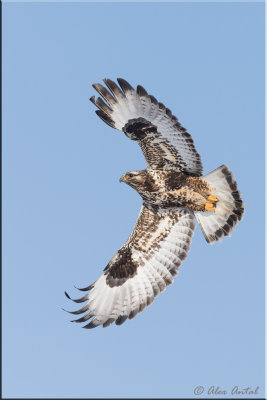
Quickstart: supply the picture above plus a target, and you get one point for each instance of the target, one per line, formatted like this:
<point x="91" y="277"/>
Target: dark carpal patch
<point x="121" y="269"/>
<point x="138" y="128"/>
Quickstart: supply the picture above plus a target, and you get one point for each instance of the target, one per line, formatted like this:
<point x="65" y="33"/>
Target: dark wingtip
<point x="141" y="91"/>
<point x="121" y="319"/>
<point x="153" y="99"/>
<point x="89" y="326"/>
<point x="85" y="289"/>
<point x="115" y="89"/>
<point x="124" y="85"/>
<point x="107" y="81"/>
<point x="81" y="300"/>
<point x="83" y="319"/>
<point x="108" y="322"/>
<point x="105" y="118"/>
<point x="78" y="320"/>
<point x="92" y="99"/>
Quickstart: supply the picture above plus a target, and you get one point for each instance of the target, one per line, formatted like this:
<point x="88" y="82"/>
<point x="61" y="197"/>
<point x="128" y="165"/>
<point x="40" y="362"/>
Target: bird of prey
<point x="174" y="192"/>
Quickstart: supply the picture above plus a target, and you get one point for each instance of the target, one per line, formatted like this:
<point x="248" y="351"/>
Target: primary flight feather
<point x="174" y="192"/>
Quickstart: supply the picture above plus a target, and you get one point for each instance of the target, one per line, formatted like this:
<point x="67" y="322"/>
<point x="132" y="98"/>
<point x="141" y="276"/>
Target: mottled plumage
<point x="174" y="192"/>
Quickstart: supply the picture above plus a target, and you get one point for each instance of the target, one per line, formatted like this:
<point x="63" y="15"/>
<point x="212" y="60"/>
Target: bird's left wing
<point x="141" y="269"/>
<point x="163" y="140"/>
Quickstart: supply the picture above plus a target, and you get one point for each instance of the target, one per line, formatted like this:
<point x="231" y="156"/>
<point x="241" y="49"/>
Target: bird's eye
<point x="130" y="175"/>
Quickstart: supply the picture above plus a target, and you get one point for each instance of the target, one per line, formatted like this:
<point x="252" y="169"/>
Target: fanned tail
<point x="229" y="208"/>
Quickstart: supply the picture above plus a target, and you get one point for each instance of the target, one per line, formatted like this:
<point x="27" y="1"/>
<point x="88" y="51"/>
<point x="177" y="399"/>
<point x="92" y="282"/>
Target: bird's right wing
<point x="163" y="140"/>
<point x="141" y="269"/>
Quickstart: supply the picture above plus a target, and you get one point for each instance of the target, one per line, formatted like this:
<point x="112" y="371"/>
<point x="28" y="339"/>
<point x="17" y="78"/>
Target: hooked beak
<point x="123" y="179"/>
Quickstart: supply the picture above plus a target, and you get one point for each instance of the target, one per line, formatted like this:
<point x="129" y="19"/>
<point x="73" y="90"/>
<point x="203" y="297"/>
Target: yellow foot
<point x="209" y="207"/>
<point x="213" y="199"/>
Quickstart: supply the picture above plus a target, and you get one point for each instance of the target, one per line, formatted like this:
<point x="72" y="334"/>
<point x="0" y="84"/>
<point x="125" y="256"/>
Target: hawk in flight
<point x="174" y="192"/>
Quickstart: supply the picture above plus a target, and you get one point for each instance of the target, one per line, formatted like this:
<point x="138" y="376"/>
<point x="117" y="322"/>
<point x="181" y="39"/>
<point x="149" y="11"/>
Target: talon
<point x="209" y="207"/>
<point x="213" y="199"/>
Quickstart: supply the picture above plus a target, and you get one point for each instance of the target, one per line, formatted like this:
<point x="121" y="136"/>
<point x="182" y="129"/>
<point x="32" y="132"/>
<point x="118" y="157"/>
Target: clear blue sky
<point x="66" y="214"/>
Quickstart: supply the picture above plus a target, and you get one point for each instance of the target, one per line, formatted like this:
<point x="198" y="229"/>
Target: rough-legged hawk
<point x="173" y="192"/>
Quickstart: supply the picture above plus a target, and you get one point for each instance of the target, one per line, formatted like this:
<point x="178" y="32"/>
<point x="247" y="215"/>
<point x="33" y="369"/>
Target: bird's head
<point x="135" y="179"/>
<point x="139" y="180"/>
